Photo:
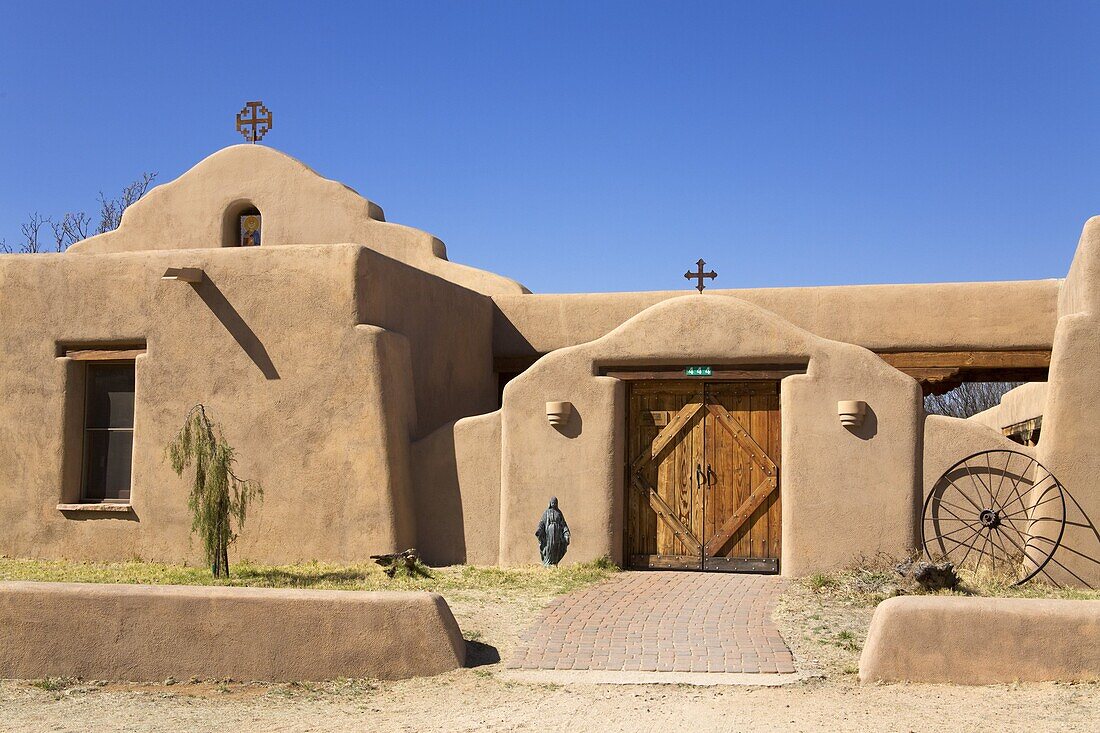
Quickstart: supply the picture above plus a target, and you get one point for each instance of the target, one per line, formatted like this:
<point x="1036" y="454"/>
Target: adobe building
<point x="388" y="398"/>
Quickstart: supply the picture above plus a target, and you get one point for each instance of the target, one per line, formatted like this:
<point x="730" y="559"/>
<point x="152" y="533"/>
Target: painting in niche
<point x="250" y="230"/>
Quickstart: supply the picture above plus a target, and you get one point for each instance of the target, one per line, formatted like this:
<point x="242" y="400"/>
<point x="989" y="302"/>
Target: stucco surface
<point x="149" y="633"/>
<point x="456" y="473"/>
<point x="1071" y="421"/>
<point x="943" y="317"/>
<point x="352" y="366"/>
<point x="1024" y="403"/>
<point x="449" y="330"/>
<point x="982" y="641"/>
<point x="319" y="405"/>
<point x="844" y="491"/>
<point x="948" y="440"/>
<point x="297" y="205"/>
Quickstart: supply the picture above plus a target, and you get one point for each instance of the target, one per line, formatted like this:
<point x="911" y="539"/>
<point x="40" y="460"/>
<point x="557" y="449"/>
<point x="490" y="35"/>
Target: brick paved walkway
<point x="661" y="622"/>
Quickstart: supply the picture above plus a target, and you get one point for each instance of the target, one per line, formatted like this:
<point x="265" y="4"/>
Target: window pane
<point x="110" y="396"/>
<point x="107" y="458"/>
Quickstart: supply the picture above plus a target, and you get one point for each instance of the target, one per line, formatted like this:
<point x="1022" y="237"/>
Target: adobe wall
<point x="1021" y="404"/>
<point x="844" y="492"/>
<point x="456" y="479"/>
<point x="450" y="333"/>
<point x="948" y="440"/>
<point x="147" y="633"/>
<point x="200" y="208"/>
<point x="982" y="641"/>
<point x="1071" y="421"/>
<point x="320" y="409"/>
<point x="943" y="317"/>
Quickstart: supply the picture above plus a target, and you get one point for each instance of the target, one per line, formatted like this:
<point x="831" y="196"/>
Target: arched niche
<point x="242" y="225"/>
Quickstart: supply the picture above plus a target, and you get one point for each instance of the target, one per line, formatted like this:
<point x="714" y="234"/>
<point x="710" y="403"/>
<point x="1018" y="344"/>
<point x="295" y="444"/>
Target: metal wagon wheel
<point x="999" y="510"/>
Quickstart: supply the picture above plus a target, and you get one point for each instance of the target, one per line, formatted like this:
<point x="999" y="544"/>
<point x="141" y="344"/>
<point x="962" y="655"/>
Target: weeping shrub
<point x="218" y="497"/>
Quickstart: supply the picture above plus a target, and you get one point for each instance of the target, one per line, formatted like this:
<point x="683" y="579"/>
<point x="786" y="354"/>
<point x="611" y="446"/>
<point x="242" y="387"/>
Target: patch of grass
<point x="847" y="640"/>
<point x="820" y="581"/>
<point x="359" y="576"/>
<point x="870" y="581"/>
<point x="53" y="684"/>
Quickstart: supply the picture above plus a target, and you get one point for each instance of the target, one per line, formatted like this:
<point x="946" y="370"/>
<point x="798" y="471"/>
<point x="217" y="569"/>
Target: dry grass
<point x="824" y="617"/>
<point x="870" y="581"/>
<point x="536" y="581"/>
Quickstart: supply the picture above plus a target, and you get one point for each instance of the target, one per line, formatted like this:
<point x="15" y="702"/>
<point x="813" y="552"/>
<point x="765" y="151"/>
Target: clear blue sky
<point x="600" y="146"/>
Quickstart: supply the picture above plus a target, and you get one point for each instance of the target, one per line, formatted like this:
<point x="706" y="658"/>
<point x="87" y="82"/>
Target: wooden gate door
<point x="703" y="471"/>
<point x="741" y="529"/>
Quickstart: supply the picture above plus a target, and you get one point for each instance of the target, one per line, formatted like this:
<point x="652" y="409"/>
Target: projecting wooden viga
<point x="703" y="485"/>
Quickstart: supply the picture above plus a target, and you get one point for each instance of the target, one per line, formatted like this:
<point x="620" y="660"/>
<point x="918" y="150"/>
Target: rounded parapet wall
<point x="293" y="205"/>
<point x="149" y="633"/>
<point x="982" y="641"/>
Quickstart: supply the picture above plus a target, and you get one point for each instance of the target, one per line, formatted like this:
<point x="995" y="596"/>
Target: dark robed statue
<point x="553" y="534"/>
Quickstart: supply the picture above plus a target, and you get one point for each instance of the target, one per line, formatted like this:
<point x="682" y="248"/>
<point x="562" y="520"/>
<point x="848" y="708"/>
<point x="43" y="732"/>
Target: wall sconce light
<point x="191" y="275"/>
<point x="851" y="412"/>
<point x="558" y="412"/>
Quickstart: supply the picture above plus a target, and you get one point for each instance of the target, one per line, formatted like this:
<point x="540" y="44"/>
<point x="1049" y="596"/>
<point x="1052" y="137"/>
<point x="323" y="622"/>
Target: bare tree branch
<point x="111" y="210"/>
<point x="75" y="226"/>
<point x="969" y="398"/>
<point x="72" y="228"/>
<point x="32" y="231"/>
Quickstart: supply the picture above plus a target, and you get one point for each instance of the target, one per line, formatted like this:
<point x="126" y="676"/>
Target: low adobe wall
<point x="145" y="633"/>
<point x="982" y="641"/>
<point x="1026" y="402"/>
<point x="948" y="440"/>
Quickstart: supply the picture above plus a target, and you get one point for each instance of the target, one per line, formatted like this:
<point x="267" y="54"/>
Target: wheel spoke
<point x="955" y="531"/>
<point x="943" y="505"/>
<point x="970" y="547"/>
<point x="1033" y="506"/>
<point x="964" y="495"/>
<point x="1001" y="533"/>
<point x="975" y="481"/>
<point x="964" y="543"/>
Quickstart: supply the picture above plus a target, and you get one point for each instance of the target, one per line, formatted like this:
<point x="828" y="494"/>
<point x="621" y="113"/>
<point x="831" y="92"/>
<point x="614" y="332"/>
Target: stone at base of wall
<point x="981" y="641"/>
<point x="150" y="633"/>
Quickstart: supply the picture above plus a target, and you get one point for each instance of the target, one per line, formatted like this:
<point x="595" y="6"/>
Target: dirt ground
<point x="824" y="632"/>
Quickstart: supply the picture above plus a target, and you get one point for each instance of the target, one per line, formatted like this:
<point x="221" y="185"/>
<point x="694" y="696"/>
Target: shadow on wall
<point x="573" y="425"/>
<point x="868" y="428"/>
<point x="1080" y="546"/>
<point x="247" y="339"/>
<point x="84" y="515"/>
<point x="438" y="501"/>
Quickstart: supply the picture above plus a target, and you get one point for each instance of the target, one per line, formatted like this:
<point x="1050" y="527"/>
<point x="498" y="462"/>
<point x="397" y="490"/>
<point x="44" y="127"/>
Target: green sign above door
<point x="697" y="371"/>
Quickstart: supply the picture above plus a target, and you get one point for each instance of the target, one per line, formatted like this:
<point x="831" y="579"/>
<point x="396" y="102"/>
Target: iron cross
<point x="256" y="116"/>
<point x="700" y="275"/>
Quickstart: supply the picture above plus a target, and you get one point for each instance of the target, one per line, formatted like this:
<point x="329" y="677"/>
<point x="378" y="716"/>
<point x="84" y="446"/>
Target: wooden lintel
<point x="938" y="374"/>
<point x="128" y="354"/>
<point x="1019" y="359"/>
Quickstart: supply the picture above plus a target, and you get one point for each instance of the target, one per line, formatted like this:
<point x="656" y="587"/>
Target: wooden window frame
<point x="94" y="358"/>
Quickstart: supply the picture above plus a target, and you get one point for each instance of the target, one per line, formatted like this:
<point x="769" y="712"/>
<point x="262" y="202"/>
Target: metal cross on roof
<point x="254" y="121"/>
<point x="700" y="275"/>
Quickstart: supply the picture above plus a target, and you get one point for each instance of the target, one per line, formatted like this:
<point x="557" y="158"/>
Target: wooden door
<point x="702" y="476"/>
<point x="741" y="529"/>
